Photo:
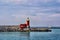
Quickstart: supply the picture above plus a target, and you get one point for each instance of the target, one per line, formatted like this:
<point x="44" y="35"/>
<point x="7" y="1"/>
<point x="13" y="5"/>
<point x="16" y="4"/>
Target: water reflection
<point x="25" y="35"/>
<point x="15" y="36"/>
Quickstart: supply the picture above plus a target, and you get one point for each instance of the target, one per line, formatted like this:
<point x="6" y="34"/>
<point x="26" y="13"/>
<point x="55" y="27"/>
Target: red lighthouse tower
<point x="26" y="25"/>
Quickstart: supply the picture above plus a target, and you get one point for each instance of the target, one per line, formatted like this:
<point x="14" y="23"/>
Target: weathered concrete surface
<point x="15" y="28"/>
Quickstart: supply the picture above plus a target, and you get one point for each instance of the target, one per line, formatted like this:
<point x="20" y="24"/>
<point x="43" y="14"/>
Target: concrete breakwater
<point x="9" y="28"/>
<point x="15" y="28"/>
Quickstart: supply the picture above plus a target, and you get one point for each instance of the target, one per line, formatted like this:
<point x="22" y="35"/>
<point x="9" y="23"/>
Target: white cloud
<point x="55" y="15"/>
<point x="58" y="1"/>
<point x="11" y="0"/>
<point x="46" y="1"/>
<point x="14" y="1"/>
<point x="29" y="2"/>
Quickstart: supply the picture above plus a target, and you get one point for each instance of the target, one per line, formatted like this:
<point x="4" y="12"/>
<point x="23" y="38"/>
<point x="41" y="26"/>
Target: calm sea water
<point x="54" y="35"/>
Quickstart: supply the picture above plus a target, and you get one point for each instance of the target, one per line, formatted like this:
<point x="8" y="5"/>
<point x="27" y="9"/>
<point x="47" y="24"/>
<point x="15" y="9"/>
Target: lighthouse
<point x="28" y="22"/>
<point x="25" y="26"/>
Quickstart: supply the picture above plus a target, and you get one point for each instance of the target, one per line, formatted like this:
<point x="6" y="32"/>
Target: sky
<point x="40" y="12"/>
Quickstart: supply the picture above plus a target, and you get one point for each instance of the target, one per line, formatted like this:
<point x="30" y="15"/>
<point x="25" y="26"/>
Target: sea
<point x="53" y="35"/>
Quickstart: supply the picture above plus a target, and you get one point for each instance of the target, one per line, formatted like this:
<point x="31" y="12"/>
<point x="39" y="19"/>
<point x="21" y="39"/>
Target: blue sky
<point x="40" y="12"/>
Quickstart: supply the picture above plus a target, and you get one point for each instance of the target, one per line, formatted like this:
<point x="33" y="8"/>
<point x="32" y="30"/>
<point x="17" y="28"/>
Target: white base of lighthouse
<point x="28" y="28"/>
